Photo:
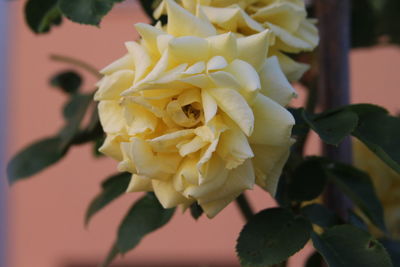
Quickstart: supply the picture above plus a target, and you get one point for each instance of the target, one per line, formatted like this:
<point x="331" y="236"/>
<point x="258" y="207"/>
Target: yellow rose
<point x="196" y="116"/>
<point x="386" y="182"/>
<point x="286" y="19"/>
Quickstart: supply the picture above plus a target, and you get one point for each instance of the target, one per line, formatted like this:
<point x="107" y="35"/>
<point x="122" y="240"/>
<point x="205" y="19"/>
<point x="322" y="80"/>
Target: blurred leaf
<point x="346" y="245"/>
<point x="357" y="221"/>
<point x="393" y="248"/>
<point x="86" y="11"/>
<point x="96" y="146"/>
<point x="320" y="215"/>
<point x="391" y="20"/>
<point x="35" y="158"/>
<point x="149" y="6"/>
<point x="41" y="15"/>
<point x="332" y="126"/>
<point x="67" y="81"/>
<point x="359" y="188"/>
<point x="364" y="23"/>
<point x="380" y="133"/>
<point x="308" y="180"/>
<point x="195" y="210"/>
<point x="315" y="260"/>
<point x="272" y="236"/>
<point x="74" y="112"/>
<point x="111" y="256"/>
<point x="300" y="128"/>
<point x="112" y="188"/>
<point x="145" y="216"/>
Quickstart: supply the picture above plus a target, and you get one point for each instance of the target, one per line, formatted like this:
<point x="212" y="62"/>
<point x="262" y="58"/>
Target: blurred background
<point x="45" y="215"/>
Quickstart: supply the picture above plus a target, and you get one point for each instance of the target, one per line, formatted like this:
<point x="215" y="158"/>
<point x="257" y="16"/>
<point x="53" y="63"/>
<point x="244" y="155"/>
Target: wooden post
<point x="334" y="88"/>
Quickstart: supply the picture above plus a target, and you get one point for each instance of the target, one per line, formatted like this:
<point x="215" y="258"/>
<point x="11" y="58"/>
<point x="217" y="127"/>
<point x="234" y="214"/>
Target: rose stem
<point x="77" y="63"/>
<point x="244" y="207"/>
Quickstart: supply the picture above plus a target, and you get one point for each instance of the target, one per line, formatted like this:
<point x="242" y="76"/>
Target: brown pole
<point x="334" y="87"/>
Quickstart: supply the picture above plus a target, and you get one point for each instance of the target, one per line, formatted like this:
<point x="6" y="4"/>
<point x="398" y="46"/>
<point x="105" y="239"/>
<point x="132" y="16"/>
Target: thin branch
<point x="244" y="206"/>
<point x="76" y="62"/>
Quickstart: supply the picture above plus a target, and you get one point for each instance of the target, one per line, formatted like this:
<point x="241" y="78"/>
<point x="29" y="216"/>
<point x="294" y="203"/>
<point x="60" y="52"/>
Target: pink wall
<point x="46" y="212"/>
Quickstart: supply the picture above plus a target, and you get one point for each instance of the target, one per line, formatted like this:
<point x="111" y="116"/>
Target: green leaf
<point x="86" y="11"/>
<point x="149" y="6"/>
<point x="272" y="236"/>
<point x="195" y="210"/>
<point x="112" y="188"/>
<point x="145" y="216"/>
<point x="332" y="126"/>
<point x="359" y="188"/>
<point x="393" y="248"/>
<point x="68" y="81"/>
<point x="35" y="158"/>
<point x="320" y="215"/>
<point x="74" y="112"/>
<point x="111" y="256"/>
<point x="380" y="133"/>
<point x="308" y="180"/>
<point x="41" y="15"/>
<point x="315" y="260"/>
<point x="356" y="220"/>
<point x="346" y="245"/>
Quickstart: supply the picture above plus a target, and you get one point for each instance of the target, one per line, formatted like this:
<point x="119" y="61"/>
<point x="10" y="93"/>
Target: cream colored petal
<point x="254" y="48"/>
<point x="111" y="146"/>
<point x="224" y="45"/>
<point x="308" y="32"/>
<point x="210" y="106"/>
<point x="268" y="163"/>
<point x="147" y="163"/>
<point x="233" y="147"/>
<point x="226" y="18"/>
<point x="246" y="75"/>
<point x="224" y="79"/>
<point x="216" y="63"/>
<point x="199" y="80"/>
<point x="216" y="175"/>
<point x="293" y="70"/>
<point x="273" y="123"/>
<point x="274" y="83"/>
<point x="124" y="63"/>
<point x="167" y="195"/>
<point x="211" y="209"/>
<point x="236" y="107"/>
<point x="196" y="68"/>
<point x="238" y="180"/>
<point x="139" y="184"/>
<point x="141" y="59"/>
<point x="186" y="174"/>
<point x="182" y="23"/>
<point x="289" y="42"/>
<point x="188" y="49"/>
<point x="113" y="85"/>
<point x="192" y="146"/>
<point x="126" y="165"/>
<point x="111" y="116"/>
<point x="163" y="42"/>
<point x="284" y="14"/>
<point x="168" y="142"/>
<point x="139" y="119"/>
<point x="149" y="36"/>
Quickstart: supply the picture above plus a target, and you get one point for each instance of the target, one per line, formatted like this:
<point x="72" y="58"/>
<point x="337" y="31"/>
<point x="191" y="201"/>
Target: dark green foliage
<point x="34" y="158"/>
<point x="315" y="260"/>
<point x="145" y="216"/>
<point x="41" y="15"/>
<point x="272" y="236"/>
<point x="68" y="81"/>
<point x="307" y="181"/>
<point x="347" y="245"/>
<point x="393" y="248"/>
<point x="86" y="11"/>
<point x="320" y="215"/>
<point x="196" y="211"/>
<point x="359" y="188"/>
<point x="112" y="188"/>
<point x="332" y="127"/>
